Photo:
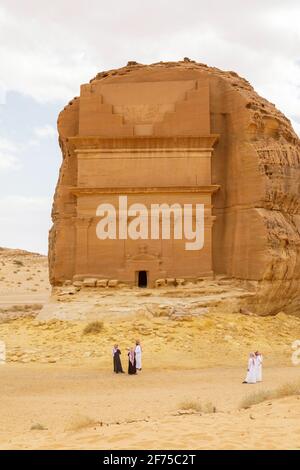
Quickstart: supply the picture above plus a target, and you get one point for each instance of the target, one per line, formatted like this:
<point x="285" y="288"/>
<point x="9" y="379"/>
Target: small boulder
<point x="102" y="283"/>
<point x="245" y="311"/>
<point x="281" y="316"/>
<point x="89" y="282"/>
<point x="77" y="284"/>
<point x="68" y="290"/>
<point x="160" y="282"/>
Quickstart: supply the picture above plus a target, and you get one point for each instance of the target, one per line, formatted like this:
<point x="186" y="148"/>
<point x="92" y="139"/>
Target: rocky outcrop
<point x="256" y="163"/>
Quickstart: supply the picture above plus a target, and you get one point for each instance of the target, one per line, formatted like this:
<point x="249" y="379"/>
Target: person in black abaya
<point x="131" y="362"/>
<point x="117" y="360"/>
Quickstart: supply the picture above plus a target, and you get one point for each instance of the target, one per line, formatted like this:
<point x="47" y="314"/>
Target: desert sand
<point x="86" y="407"/>
<point x="58" y="391"/>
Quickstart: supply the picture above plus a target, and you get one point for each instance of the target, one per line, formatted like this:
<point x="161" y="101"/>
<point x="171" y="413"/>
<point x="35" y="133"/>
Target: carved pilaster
<point x="82" y="227"/>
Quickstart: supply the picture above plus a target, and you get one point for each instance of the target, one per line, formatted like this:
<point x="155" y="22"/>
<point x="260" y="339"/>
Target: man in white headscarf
<point x="138" y="354"/>
<point x="251" y="372"/>
<point x="259" y="361"/>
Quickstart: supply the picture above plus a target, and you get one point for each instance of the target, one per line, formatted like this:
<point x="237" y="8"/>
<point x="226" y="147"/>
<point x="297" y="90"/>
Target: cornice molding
<point x="144" y="142"/>
<point x="145" y="190"/>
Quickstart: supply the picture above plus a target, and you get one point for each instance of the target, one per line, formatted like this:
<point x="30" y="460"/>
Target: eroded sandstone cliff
<point x="256" y="163"/>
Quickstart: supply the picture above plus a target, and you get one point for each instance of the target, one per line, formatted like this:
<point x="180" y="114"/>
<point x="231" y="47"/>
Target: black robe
<point x="131" y="367"/>
<point x="117" y="362"/>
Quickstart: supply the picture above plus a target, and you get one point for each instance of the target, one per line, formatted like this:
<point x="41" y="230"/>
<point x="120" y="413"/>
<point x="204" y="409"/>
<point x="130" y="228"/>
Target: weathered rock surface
<point x="256" y="163"/>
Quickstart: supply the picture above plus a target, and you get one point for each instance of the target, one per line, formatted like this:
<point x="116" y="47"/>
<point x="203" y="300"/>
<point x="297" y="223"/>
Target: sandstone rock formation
<point x="249" y="183"/>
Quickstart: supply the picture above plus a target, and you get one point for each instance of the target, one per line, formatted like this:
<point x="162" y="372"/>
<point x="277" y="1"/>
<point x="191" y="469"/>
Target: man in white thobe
<point x="138" y="355"/>
<point x="251" y="372"/>
<point x="259" y="361"/>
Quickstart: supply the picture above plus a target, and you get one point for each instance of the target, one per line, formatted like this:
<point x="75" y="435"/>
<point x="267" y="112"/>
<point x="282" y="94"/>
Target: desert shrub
<point x="38" y="427"/>
<point x="79" y="422"/>
<point x="93" y="327"/>
<point x="286" y="390"/>
<point x="209" y="408"/>
<point x="22" y="308"/>
<point x="255" y="398"/>
<point x="190" y="405"/>
<point x="18" y="262"/>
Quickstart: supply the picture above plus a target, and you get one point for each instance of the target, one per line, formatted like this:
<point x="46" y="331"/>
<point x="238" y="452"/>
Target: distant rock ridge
<point x="5" y="251"/>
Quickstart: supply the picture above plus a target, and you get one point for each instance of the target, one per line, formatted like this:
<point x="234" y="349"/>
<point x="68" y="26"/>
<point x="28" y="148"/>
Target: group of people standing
<point x="134" y="359"/>
<point x="254" y="371"/>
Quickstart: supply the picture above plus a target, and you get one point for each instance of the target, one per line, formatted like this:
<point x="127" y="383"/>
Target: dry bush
<point x="93" y="327"/>
<point x="34" y="306"/>
<point x="190" y="405"/>
<point x="18" y="262"/>
<point x="79" y="422"/>
<point x="18" y="308"/>
<point x="288" y="389"/>
<point x="209" y="408"/>
<point x="255" y="398"/>
<point x="285" y="390"/>
<point x="38" y="427"/>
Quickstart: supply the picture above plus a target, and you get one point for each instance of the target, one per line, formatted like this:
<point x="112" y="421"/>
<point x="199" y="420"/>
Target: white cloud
<point x="7" y="145"/>
<point x="25" y="222"/>
<point x="8" y="162"/>
<point x="12" y="154"/>
<point x="8" y="159"/>
<point x="21" y="203"/>
<point x="2" y="93"/>
<point x="50" y="48"/>
<point x="45" y="131"/>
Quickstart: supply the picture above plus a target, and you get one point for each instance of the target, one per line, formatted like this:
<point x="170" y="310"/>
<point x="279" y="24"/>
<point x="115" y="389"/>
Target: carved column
<point x="82" y="227"/>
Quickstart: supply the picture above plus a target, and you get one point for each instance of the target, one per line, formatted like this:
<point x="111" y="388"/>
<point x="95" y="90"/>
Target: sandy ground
<point x="84" y="407"/>
<point x="22" y="272"/>
<point x="23" y="278"/>
<point x="60" y="380"/>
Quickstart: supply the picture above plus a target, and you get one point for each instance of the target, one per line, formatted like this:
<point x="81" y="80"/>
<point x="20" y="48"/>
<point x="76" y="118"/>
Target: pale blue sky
<point x="47" y="49"/>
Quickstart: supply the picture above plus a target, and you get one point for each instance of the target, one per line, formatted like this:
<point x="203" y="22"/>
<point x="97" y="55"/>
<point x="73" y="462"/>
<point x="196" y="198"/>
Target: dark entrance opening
<point x="142" y="279"/>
